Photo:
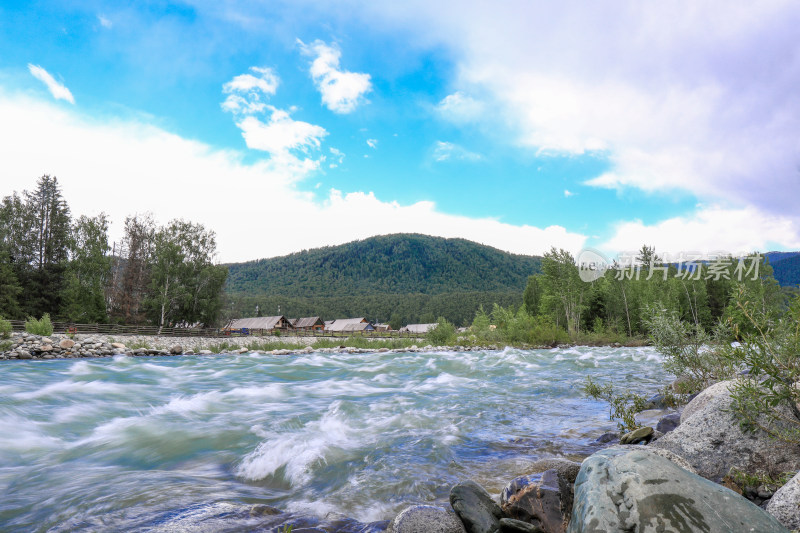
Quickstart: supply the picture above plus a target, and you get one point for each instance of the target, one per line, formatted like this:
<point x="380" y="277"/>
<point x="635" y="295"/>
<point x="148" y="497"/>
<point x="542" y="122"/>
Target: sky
<point x="284" y="126"/>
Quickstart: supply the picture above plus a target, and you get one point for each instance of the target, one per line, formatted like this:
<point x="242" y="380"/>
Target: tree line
<point x="53" y="263"/>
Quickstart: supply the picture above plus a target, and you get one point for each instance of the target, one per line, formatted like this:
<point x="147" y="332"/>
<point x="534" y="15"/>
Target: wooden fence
<point x="120" y="329"/>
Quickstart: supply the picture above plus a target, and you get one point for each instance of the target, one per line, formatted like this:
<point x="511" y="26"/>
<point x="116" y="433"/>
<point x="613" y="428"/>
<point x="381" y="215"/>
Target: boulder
<point x="712" y="441"/>
<point x="46" y="348"/>
<point x="24" y="354"/>
<point x="544" y="500"/>
<point x="66" y="344"/>
<point x="637" y="436"/>
<point x="565" y="467"/>
<point x="205" y="352"/>
<point x="624" y="490"/>
<point x="426" y="519"/>
<point x="176" y="349"/>
<point x="475" y="507"/>
<point x="785" y="504"/>
<point x="668" y="423"/>
<point x="666" y="454"/>
<point x="118" y="345"/>
<point x="46" y="340"/>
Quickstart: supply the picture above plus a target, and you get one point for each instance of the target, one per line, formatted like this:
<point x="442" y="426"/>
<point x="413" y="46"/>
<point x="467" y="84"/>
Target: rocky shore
<point x="698" y="472"/>
<point x="29" y="346"/>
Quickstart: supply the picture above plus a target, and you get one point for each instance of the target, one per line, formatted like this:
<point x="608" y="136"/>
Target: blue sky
<point x="290" y="125"/>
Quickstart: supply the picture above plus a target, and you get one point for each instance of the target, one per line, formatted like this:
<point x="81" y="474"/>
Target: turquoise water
<point x="193" y="442"/>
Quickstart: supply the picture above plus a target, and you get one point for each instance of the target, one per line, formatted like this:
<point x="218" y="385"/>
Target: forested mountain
<point x="389" y="264"/>
<point x="410" y="276"/>
<point x="787" y="271"/>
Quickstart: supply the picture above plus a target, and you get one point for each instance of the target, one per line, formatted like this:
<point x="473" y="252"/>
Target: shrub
<point x="5" y="328"/>
<point x="766" y="396"/>
<point x="443" y="334"/>
<point x="690" y="353"/>
<point x="42" y="327"/>
<point x="621" y="407"/>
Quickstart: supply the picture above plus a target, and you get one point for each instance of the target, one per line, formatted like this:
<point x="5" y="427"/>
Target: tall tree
<point x="88" y="271"/>
<point x="563" y="286"/>
<point x="130" y="280"/>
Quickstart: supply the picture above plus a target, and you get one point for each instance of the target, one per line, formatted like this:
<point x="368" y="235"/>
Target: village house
<point x="350" y="325"/>
<point x="311" y="323"/>
<point x="260" y="325"/>
<point x="417" y="328"/>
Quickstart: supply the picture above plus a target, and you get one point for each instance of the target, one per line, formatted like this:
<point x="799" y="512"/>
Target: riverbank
<point x="22" y="345"/>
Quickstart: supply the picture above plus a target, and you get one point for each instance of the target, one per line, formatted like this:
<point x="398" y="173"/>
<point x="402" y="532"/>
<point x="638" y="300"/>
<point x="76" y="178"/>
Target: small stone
<point x="636" y="436"/>
<point x="66" y="344"/>
<point x="509" y="525"/>
<point x="46" y="348"/>
<point x="118" y="345"/>
<point x="426" y="519"/>
<point x="605" y="438"/>
<point x="46" y="340"/>
<point x="668" y="423"/>
<point x="205" y="352"/>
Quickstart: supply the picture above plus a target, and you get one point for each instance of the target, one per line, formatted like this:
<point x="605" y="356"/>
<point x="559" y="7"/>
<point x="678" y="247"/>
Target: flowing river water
<point x="201" y="443"/>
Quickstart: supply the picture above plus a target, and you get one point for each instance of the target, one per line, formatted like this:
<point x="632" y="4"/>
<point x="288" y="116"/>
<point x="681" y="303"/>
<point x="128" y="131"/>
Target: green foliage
<point x="88" y="271"/>
<point x="787" y="270"/>
<point x="746" y="480"/>
<point x="690" y="353"/>
<point x="5" y="346"/>
<point x="766" y="397"/>
<point x="42" y="327"/>
<point x="443" y="334"/>
<point x="5" y="328"/>
<point x="621" y="407"/>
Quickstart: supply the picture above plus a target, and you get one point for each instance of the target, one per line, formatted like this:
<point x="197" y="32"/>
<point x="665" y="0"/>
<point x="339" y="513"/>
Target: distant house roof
<point x="262" y="322"/>
<point x="348" y="324"/>
<point x="418" y="328"/>
<point x="382" y="327"/>
<point x="307" y="322"/>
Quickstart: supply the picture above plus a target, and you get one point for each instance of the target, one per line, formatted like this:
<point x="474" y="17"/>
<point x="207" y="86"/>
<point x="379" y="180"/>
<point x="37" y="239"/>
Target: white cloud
<point x="709" y="229"/>
<point x="122" y="167"/>
<point x="105" y="22"/>
<point x="677" y="95"/>
<point x="282" y="137"/>
<point x="342" y="91"/>
<point x="568" y="193"/>
<point x="459" y="107"/>
<point x="58" y="90"/>
<point x="372" y="143"/>
<point x="338" y="156"/>
<point x="447" y="151"/>
<point x="245" y="91"/>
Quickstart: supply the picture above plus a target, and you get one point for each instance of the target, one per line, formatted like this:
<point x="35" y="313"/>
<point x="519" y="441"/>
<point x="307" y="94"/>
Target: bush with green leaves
<point x="443" y="334"/>
<point x="766" y="396"/>
<point x="5" y="328"/>
<point x="694" y="356"/>
<point x="42" y="327"/>
<point x="621" y="407"/>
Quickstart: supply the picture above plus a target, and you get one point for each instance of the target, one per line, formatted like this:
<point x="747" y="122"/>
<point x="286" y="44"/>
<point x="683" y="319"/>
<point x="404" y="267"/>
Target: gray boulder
<point x="176" y="350"/>
<point x="544" y="500"/>
<point x="785" y="504"/>
<point x="475" y="507"/>
<point x="666" y="454"/>
<point x="426" y="519"/>
<point x="621" y="490"/>
<point x="711" y="440"/>
<point x="605" y="438"/>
